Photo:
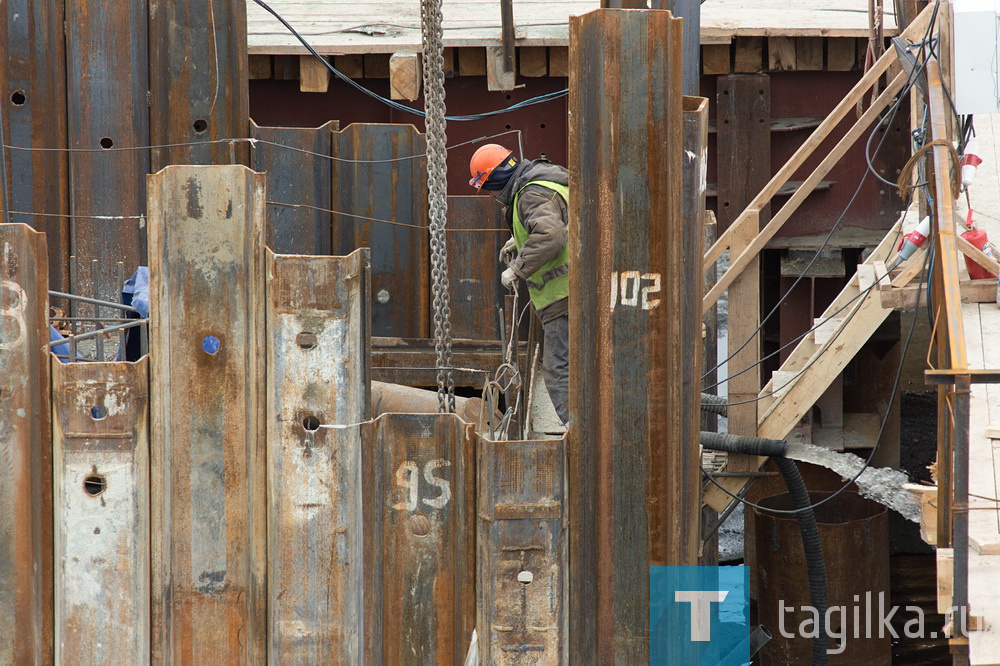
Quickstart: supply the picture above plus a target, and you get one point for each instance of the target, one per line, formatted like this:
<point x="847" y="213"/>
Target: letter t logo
<point x="701" y="610"/>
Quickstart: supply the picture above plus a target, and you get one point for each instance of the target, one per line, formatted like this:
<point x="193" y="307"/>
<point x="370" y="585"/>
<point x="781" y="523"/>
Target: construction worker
<point x="535" y="195"/>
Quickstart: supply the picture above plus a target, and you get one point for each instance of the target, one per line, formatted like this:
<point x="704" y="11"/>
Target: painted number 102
<point x="634" y="289"/>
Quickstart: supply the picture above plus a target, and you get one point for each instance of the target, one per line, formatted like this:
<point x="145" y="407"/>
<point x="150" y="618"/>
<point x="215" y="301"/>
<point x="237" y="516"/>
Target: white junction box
<point x="976" y="41"/>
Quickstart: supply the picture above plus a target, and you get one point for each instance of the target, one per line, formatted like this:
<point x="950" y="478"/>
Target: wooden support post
<point x="318" y="356"/>
<point x="809" y="54"/>
<point x="749" y="55"/>
<point x="472" y="61"/>
<point x="522" y="550"/>
<point x="781" y="54"/>
<point x="418" y="480"/>
<point x="100" y="443"/>
<point x="207" y="456"/>
<point x="404" y="76"/>
<point x="25" y="449"/>
<point x="351" y="65"/>
<point x="533" y="61"/>
<point x="558" y="61"/>
<point x="314" y="77"/>
<point x="744" y="318"/>
<point x="716" y="59"/>
<point x="497" y="78"/>
<point x="259" y="67"/>
<point x="840" y="54"/>
<point x="633" y="479"/>
<point x="376" y="65"/>
<point x="744" y="144"/>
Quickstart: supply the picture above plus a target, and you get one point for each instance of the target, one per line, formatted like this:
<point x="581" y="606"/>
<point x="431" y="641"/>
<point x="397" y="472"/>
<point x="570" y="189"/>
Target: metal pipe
<point x="960" y="521"/>
<point x="93" y="301"/>
<point x="73" y="339"/>
<point x="507" y="34"/>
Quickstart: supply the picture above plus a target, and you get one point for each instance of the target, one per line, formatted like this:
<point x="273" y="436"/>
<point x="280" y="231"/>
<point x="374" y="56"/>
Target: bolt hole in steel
<point x="200" y="126"/>
<point x="98" y="412"/>
<point x="525" y="577"/>
<point x="106" y="143"/>
<point x="306" y="340"/>
<point x="210" y="345"/>
<point x="18" y="98"/>
<point x="94" y="484"/>
<point x="420" y="525"/>
<point x="310" y="423"/>
<point x="542" y="126"/>
<point x="382" y="296"/>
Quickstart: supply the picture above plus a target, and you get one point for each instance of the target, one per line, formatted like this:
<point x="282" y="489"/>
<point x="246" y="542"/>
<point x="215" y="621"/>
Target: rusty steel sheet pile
<point x="382" y="199"/>
<point x="419" y="485"/>
<point x="318" y="361"/>
<point x="635" y="357"/>
<point x="101" y="476"/>
<point x="208" y="475"/>
<point x="522" y="555"/>
<point x="25" y="450"/>
<point x="476" y="292"/>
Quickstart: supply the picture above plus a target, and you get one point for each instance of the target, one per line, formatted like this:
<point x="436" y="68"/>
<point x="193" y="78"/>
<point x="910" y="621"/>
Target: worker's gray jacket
<point x="544" y="216"/>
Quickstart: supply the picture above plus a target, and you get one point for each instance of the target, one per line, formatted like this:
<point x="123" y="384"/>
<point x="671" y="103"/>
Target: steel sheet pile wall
<point x="25" y="450"/>
<point x="299" y="175"/>
<point x="208" y="497"/>
<point x="33" y="81"/>
<point x="198" y="88"/>
<point x="318" y="364"/>
<point x="107" y="77"/>
<point x="633" y="478"/>
<point x="101" y="461"/>
<point x="419" y="539"/>
<point x="522" y="552"/>
<point x="393" y="191"/>
<point x="476" y="292"/>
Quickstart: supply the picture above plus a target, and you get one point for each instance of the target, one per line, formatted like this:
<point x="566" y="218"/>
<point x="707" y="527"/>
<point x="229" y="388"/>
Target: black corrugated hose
<point x="714" y="404"/>
<point x="815" y="564"/>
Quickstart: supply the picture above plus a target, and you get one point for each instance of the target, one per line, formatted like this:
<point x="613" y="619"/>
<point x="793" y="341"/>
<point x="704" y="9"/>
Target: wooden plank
<point x="449" y="63"/>
<point x="473" y="274"/>
<point x="380" y="186"/>
<point x="840" y="54"/>
<point x="744" y="319"/>
<point x="781" y="54"/>
<point x="974" y="253"/>
<point x="533" y="61"/>
<point x="472" y="62"/>
<point x="419" y="481"/>
<point x="318" y="356"/>
<point x="749" y="55"/>
<point x="297" y="163"/>
<point x="809" y="54"/>
<point x="743" y="116"/>
<point x="376" y="65"/>
<point x="25" y="450"/>
<point x="259" y="67"/>
<point x="207" y="455"/>
<point x="101" y="462"/>
<point x="558" y="61"/>
<point x="496" y="77"/>
<point x="715" y="59"/>
<point x="314" y="77"/>
<point x="945" y="579"/>
<point x="404" y="76"/>
<point x="973" y="291"/>
<point x="521" y="534"/>
<point x="351" y="66"/>
<point x="286" y="67"/>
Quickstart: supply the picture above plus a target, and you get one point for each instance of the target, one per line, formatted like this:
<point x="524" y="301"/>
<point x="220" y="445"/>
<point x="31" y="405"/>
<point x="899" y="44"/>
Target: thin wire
<point x="88" y="217"/>
<point x="547" y="97"/>
<point x="3" y="171"/>
<point x="878" y="440"/>
<point x="375" y="219"/>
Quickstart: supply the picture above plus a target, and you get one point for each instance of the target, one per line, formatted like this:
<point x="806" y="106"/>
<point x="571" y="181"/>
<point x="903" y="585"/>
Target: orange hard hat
<point x="484" y="161"/>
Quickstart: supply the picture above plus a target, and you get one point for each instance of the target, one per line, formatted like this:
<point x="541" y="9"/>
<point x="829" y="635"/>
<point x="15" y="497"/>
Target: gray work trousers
<point x="555" y="364"/>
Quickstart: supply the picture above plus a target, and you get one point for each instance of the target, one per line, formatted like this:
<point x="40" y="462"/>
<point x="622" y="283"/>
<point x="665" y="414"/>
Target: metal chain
<point x="437" y="194"/>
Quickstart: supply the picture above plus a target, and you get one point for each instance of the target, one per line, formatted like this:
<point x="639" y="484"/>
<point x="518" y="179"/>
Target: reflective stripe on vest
<point x="549" y="283"/>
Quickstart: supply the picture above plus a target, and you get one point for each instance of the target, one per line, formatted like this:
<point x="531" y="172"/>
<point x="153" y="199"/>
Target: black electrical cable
<point x="878" y="439"/>
<point x="548" y="97"/>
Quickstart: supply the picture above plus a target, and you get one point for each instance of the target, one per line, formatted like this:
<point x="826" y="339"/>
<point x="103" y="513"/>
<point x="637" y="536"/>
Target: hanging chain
<point x="437" y="194"/>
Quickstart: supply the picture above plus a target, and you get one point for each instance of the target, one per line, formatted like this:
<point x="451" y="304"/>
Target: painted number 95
<point x="634" y="289"/>
<point x="408" y="484"/>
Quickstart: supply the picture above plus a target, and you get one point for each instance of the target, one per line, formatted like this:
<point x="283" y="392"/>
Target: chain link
<point x="437" y="194"/>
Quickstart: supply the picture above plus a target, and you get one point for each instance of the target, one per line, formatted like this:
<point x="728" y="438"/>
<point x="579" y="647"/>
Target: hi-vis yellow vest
<point x="549" y="283"/>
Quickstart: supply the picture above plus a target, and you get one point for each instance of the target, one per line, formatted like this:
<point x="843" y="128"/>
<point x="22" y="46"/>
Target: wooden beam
<point x="533" y="61"/>
<point x="472" y="61"/>
<point x="809" y="54"/>
<point x="376" y="65"/>
<point x="314" y="77"/>
<point x="259" y="67"/>
<point x="744" y="371"/>
<point x="498" y="78"/>
<point x="449" y="63"/>
<point x="286" y="67"/>
<point x="404" y="76"/>
<point x="715" y="59"/>
<point x="558" y="61"/>
<point x="840" y="54"/>
<point x="744" y="146"/>
<point x="781" y="54"/>
<point x="749" y="55"/>
<point x="973" y="291"/>
<point x="351" y="65"/>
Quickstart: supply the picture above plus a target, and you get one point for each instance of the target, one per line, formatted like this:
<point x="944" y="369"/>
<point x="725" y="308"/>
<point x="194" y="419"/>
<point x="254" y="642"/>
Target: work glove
<point x="509" y="279"/>
<point x="508" y="252"/>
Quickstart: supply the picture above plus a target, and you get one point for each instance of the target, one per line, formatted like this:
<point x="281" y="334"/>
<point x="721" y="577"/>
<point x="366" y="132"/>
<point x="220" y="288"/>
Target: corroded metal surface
<point x="33" y="75"/>
<point x="25" y="451"/>
<point x="207" y="457"/>
<point x="388" y="398"/>
<point x="419" y="539"/>
<point x="633" y="478"/>
<point x="198" y="91"/>
<point x="107" y="78"/>
<point x="521" y="530"/>
<point x="391" y="190"/>
<point x="318" y="363"/>
<point x="101" y="478"/>
<point x="299" y="178"/>
<point x="473" y="270"/>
